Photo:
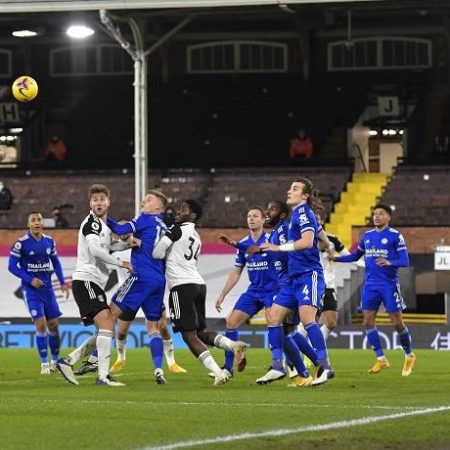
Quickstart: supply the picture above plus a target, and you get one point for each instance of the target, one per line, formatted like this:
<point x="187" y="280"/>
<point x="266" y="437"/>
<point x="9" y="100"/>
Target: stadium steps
<point x="355" y="204"/>
<point x="383" y="318"/>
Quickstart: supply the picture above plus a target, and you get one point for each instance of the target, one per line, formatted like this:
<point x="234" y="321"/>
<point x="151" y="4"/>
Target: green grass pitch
<point x="353" y="411"/>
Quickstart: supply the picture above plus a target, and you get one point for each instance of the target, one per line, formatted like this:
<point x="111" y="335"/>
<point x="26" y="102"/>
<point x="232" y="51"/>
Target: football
<point x="25" y="89"/>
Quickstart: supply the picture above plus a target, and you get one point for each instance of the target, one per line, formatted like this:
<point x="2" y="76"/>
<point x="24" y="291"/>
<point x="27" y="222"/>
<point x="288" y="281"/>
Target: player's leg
<point x="233" y="322"/>
<point x="299" y="370"/>
<point x="275" y="320"/>
<point x="188" y="318"/>
<point x="329" y="315"/>
<point x="309" y="290"/>
<point x="53" y="341"/>
<point x="248" y="304"/>
<point x="52" y="313"/>
<point x="42" y="344"/>
<point x="152" y="307"/>
<point x="36" y="308"/>
<point x="124" y="322"/>
<point x="104" y="321"/>
<point x="370" y="302"/>
<point x="394" y="304"/>
<point x="169" y="352"/>
<point x="91" y="301"/>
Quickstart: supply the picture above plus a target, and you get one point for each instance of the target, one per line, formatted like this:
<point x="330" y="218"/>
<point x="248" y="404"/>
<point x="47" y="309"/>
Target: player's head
<point x="154" y="202"/>
<point x="276" y="211"/>
<point x="35" y="222"/>
<point x="255" y="218"/>
<point x="303" y="191"/>
<point x="99" y="195"/>
<point x="189" y="211"/>
<point x="320" y="218"/>
<point x="381" y="215"/>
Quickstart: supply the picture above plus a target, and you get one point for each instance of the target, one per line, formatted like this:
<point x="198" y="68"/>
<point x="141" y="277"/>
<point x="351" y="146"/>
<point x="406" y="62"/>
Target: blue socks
<point x="229" y="356"/>
<point x="318" y="342"/>
<point x="42" y="345"/>
<point x="276" y="338"/>
<point x="53" y="342"/>
<point x="374" y="340"/>
<point x="156" y="349"/>
<point x="304" y="346"/>
<point x="293" y="353"/>
<point x="405" y="340"/>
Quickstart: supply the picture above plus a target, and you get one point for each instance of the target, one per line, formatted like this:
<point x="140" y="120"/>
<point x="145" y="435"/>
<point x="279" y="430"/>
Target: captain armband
<point x="287" y="247"/>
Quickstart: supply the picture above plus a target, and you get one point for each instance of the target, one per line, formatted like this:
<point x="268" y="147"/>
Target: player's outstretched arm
<point x="120" y="229"/>
<point x="351" y="257"/>
<point x="306" y="241"/>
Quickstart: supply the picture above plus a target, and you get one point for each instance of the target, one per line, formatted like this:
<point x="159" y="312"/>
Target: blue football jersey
<point x="148" y="228"/>
<point x="31" y="258"/>
<point x="307" y="260"/>
<point x="260" y="266"/>
<point x="279" y="236"/>
<point x="387" y="243"/>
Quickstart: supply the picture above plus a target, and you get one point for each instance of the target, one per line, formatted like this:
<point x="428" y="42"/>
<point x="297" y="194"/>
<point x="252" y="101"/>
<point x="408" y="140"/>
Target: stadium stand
<point x="227" y="193"/>
<point x="420" y="195"/>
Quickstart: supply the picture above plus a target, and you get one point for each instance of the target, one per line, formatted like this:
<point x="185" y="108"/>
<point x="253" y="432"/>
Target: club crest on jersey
<point x="48" y="250"/>
<point x="303" y="219"/>
<point x="384" y="241"/>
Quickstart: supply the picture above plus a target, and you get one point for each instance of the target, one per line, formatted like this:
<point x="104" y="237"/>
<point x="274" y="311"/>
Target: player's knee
<point x="189" y="336"/>
<point x="121" y="335"/>
<point x="52" y="326"/>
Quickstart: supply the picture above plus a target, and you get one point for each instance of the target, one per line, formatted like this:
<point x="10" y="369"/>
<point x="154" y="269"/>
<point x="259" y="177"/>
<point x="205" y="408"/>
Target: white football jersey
<point x="328" y="265"/>
<point x="89" y="268"/>
<point x="182" y="256"/>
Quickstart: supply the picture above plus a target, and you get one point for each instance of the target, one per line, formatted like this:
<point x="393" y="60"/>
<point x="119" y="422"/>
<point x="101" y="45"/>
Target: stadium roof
<point x="84" y="5"/>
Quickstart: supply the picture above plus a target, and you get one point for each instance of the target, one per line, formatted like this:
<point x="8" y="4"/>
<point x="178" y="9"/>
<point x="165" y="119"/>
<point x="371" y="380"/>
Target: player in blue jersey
<point x="384" y="251"/>
<point x="306" y="276"/>
<point x="263" y="282"/>
<point x="31" y="259"/>
<point x="144" y="288"/>
<point x="277" y="215"/>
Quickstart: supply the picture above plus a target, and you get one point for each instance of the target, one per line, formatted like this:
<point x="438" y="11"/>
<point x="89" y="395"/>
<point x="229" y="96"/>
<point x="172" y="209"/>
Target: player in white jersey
<point x="180" y="246"/>
<point x="89" y="280"/>
<point x="329" y="313"/>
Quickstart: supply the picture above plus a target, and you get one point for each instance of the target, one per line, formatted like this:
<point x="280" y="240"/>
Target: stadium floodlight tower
<point x="139" y="55"/>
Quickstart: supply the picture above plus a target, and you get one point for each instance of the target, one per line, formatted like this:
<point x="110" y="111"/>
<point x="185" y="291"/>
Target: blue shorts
<point x="388" y="294"/>
<point x="144" y="293"/>
<point x="309" y="289"/>
<point x="286" y="298"/>
<point x="252" y="301"/>
<point x="41" y="303"/>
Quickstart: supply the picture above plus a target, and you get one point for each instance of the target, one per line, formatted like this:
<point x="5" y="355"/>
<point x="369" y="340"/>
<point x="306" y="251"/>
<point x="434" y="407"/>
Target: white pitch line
<point x="304" y="429"/>
<point x="236" y="404"/>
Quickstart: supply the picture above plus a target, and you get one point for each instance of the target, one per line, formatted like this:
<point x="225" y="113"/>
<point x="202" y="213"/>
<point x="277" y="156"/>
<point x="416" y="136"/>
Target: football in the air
<point x="25" y="89"/>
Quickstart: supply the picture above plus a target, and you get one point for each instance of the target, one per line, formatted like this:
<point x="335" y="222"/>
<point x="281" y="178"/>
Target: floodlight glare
<point x="24" y="33"/>
<point x="79" y="31"/>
